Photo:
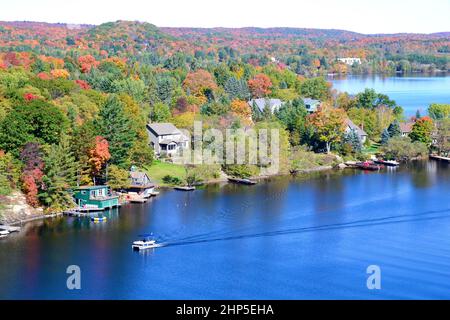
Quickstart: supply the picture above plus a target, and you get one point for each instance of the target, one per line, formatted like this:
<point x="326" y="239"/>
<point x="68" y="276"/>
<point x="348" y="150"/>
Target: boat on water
<point x="99" y="219"/>
<point x="388" y="163"/>
<point x="146" y="242"/>
<point x="186" y="188"/>
<point x="242" y="181"/>
<point x="4" y="233"/>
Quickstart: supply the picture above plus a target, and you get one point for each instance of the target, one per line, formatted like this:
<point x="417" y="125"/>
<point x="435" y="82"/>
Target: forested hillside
<point x="75" y="100"/>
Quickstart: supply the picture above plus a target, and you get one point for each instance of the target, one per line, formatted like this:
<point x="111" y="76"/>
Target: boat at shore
<point x="242" y="181"/>
<point x="366" y="165"/>
<point x="4" y="234"/>
<point x="387" y="163"/>
<point x="186" y="188"/>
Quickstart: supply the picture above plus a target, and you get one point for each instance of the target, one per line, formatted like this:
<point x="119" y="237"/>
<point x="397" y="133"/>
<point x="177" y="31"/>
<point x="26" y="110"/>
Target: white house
<point x="350" y="61"/>
<point x="166" y="139"/>
<point x="262" y="103"/>
<point x="351" y="126"/>
<point x="312" y="105"/>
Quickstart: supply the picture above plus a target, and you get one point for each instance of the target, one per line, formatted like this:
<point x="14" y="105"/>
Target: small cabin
<point x="95" y="197"/>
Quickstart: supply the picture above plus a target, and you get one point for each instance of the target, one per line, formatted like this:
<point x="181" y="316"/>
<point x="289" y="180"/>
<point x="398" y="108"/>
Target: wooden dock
<point x="242" y="181"/>
<point x="74" y="213"/>
<point x="440" y="158"/>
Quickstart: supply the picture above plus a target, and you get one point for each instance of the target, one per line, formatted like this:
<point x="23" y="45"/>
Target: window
<point x="172" y="147"/>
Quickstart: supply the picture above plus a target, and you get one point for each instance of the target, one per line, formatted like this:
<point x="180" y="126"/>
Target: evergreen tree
<point x="256" y="113"/>
<point x="418" y="115"/>
<point x="352" y="138"/>
<point x="394" y="129"/>
<point x="267" y="112"/>
<point x="116" y="128"/>
<point x="385" y="137"/>
<point x="59" y="177"/>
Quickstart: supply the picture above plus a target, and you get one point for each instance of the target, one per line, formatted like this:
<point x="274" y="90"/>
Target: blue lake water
<point x="288" y="238"/>
<point x="413" y="92"/>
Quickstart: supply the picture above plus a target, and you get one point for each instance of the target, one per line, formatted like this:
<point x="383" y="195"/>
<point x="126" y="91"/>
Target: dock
<point x="440" y="158"/>
<point x="74" y="213"/>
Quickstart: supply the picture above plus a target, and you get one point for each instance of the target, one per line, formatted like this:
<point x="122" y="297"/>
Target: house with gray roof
<point x="311" y="105"/>
<point x="351" y="126"/>
<point x="166" y="139"/>
<point x="262" y="103"/>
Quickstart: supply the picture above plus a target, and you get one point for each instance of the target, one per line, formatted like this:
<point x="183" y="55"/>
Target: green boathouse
<point x="95" y="198"/>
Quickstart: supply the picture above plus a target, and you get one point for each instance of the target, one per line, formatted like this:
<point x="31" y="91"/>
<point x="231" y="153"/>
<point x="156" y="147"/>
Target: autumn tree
<point x="260" y="86"/>
<point x="328" y="125"/>
<point x="98" y="156"/>
<point x="242" y="110"/>
<point x="421" y="130"/>
<point x="198" y="82"/>
<point x="32" y="157"/>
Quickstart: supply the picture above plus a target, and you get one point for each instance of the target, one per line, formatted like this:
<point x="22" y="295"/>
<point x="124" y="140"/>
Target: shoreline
<point x="21" y="222"/>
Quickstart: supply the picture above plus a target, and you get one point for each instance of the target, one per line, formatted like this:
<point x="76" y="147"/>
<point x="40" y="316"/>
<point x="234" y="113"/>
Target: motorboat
<point x="388" y="163"/>
<point x="4" y="233"/>
<point x="146" y="242"/>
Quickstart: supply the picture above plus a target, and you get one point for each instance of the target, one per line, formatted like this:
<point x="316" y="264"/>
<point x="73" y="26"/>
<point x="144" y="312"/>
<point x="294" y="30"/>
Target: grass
<point x="158" y="170"/>
<point x="372" y="149"/>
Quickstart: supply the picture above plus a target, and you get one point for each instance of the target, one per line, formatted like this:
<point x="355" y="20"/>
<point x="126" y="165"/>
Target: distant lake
<point x="412" y="92"/>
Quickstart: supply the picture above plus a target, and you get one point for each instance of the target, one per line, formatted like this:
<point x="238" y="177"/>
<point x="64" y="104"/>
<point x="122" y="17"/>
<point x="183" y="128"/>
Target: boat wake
<point x="389" y="220"/>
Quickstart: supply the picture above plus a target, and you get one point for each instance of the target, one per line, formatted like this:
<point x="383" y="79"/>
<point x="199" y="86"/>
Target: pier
<point x="435" y="157"/>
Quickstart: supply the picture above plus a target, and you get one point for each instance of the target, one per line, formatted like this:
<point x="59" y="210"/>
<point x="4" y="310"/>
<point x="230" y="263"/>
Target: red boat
<point x="369" y="165"/>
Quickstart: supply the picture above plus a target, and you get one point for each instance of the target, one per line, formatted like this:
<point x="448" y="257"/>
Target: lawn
<point x="158" y="170"/>
<point x="372" y="149"/>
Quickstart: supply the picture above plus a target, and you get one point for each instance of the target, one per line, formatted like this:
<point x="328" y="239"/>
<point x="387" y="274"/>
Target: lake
<point x="310" y="237"/>
<point x="412" y="92"/>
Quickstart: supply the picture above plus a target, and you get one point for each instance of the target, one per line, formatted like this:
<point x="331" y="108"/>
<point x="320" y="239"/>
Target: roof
<point x="406" y="127"/>
<point x="261" y="103"/>
<point x="163" y="129"/>
<point x="90" y="187"/>
<point x="138" y="175"/>
<point x="309" y="101"/>
<point x="353" y="126"/>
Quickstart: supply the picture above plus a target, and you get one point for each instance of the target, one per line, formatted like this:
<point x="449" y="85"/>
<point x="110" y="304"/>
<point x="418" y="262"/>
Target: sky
<point x="364" y="16"/>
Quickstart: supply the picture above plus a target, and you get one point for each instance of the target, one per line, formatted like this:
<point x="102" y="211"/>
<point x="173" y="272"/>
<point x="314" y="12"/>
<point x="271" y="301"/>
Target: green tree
<point x="37" y="121"/>
<point x="59" y="177"/>
<point x="439" y="111"/>
<point x="394" y="129"/>
<point x="421" y="131"/>
<point x="141" y="153"/>
<point x="160" y="112"/>
<point x="116" y="128"/>
<point x="118" y="178"/>
<point x="385" y="136"/>
<point x="315" y="88"/>
<point x="329" y="126"/>
<point x="402" y="148"/>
